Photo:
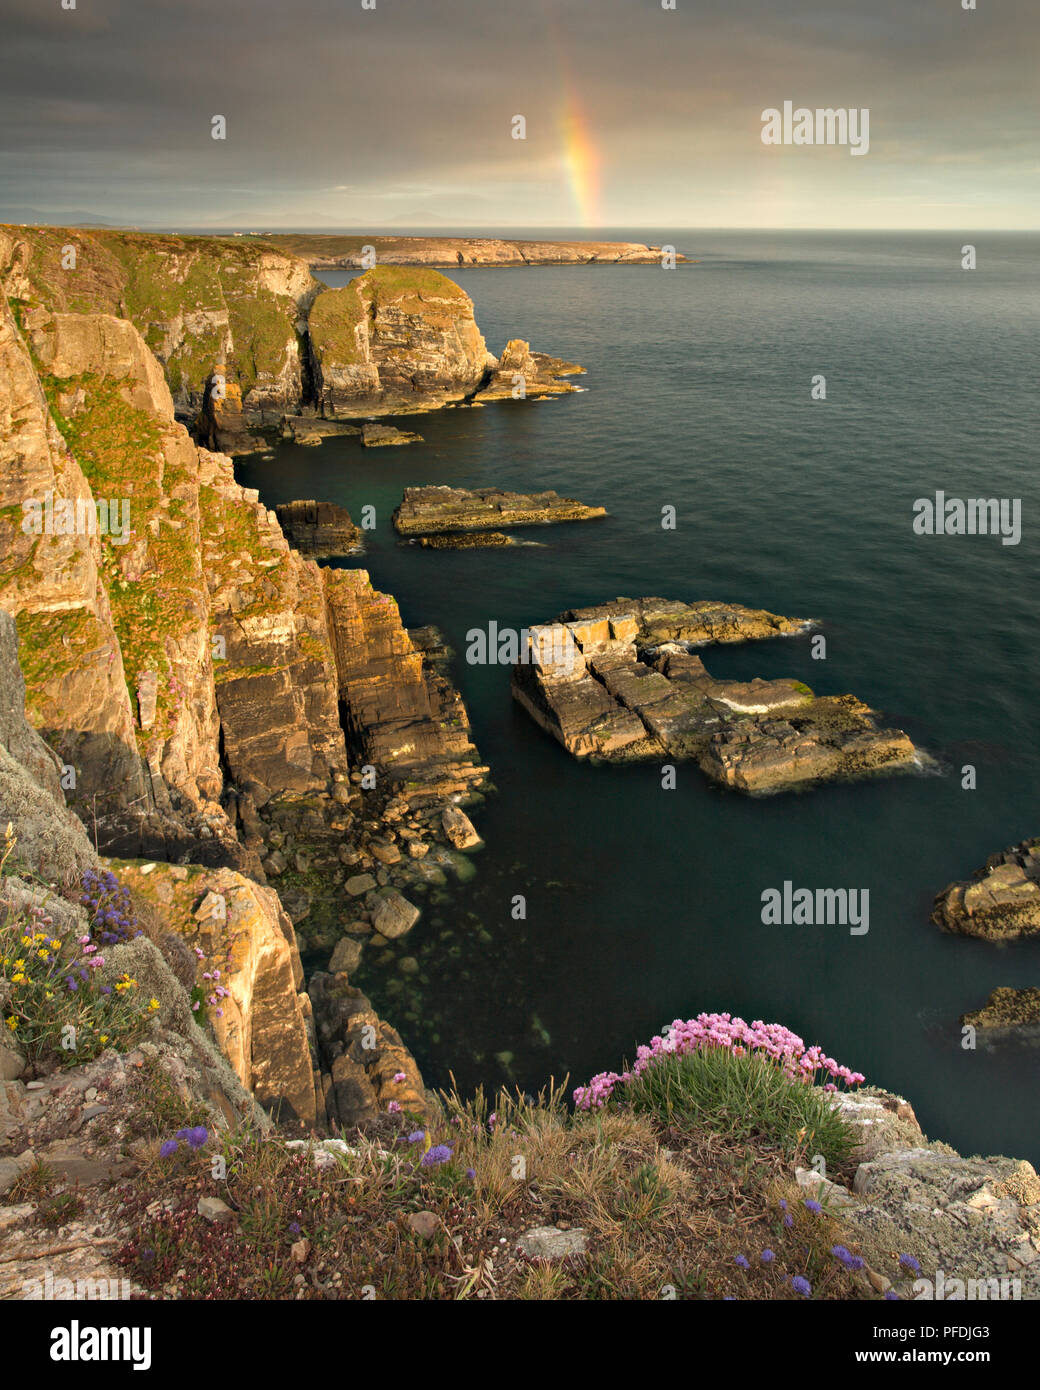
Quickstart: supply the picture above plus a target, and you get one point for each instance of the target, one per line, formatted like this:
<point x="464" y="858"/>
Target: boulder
<point x="392" y="914"/>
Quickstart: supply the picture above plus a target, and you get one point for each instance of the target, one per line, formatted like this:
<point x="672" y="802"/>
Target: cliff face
<point x="207" y="307"/>
<point x="247" y="338"/>
<point x="395" y="339"/>
<point x="402" y="714"/>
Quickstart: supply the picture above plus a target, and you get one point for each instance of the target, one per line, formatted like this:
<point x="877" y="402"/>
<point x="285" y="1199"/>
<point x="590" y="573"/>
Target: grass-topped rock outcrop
<point x="395" y="338"/>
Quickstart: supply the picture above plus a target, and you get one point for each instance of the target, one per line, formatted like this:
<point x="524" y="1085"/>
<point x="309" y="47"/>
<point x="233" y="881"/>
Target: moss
<point x="335" y="318"/>
<point x="155" y="280"/>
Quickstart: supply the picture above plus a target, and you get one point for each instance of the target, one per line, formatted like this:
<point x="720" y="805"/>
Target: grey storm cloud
<point x="341" y="115"/>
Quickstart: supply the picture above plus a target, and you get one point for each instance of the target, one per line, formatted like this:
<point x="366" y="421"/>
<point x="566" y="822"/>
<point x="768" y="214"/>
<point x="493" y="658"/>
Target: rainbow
<point x="580" y="157"/>
<point x="581" y="161"/>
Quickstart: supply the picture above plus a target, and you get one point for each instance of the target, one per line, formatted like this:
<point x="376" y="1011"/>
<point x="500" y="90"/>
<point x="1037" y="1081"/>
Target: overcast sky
<point x="636" y="116"/>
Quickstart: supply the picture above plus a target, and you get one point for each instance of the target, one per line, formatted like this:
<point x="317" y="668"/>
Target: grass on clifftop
<point x="413" y="1210"/>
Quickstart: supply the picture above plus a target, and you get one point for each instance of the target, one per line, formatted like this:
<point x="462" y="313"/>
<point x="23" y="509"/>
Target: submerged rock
<point x="393" y="915"/>
<point x="619" y="682"/>
<point x="1001" y="902"/>
<point x="429" y="510"/>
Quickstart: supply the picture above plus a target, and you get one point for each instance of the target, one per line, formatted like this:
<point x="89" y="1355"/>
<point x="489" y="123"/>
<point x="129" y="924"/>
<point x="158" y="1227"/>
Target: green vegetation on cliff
<point x="200" y="303"/>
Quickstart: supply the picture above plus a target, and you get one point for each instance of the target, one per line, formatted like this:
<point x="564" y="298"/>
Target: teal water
<point x="644" y="904"/>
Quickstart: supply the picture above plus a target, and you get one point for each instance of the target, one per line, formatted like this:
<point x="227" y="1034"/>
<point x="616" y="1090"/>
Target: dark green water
<point x="644" y="904"/>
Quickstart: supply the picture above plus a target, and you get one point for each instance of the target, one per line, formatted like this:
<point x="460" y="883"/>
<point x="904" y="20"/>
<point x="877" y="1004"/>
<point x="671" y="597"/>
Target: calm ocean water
<point x="643" y="904"/>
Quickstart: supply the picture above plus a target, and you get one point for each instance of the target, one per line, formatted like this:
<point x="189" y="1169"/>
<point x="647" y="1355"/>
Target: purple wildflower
<point x="440" y="1153"/>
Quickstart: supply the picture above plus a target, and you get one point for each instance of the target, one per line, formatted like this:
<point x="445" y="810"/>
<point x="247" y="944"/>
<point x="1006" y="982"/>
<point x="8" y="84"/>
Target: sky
<point x="402" y="115"/>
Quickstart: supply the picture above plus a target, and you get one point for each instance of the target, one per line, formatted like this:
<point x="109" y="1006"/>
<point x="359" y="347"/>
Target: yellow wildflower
<point x="12" y="1023"/>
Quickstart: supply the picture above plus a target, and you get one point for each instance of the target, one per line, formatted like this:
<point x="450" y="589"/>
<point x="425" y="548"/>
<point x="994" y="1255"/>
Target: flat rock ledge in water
<point x="433" y="510"/>
<point x="1001" y="902"/>
<point x="619" y="682"/>
<point x="464" y="540"/>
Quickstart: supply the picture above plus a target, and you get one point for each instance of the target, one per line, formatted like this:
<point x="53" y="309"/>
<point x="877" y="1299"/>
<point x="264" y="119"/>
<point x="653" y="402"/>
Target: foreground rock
<point x="1003" y="900"/>
<point x="433" y="510"/>
<point x="320" y="529"/>
<point x="620" y="681"/>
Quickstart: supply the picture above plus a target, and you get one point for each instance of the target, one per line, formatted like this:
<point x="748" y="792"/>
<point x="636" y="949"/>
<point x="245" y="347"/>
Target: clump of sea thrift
<point x="723" y="1031"/>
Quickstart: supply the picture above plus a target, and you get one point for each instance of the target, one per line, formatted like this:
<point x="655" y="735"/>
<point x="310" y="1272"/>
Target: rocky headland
<point x="427" y="511"/>
<point x="329" y="252"/>
<point x="620" y="681"/>
<point x="254" y="741"/>
<point x="253" y="348"/>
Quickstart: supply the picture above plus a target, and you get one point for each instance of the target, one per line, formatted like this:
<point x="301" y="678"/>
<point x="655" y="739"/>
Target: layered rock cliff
<point x="251" y="344"/>
<point x="394" y="340"/>
<point x="222" y="311"/>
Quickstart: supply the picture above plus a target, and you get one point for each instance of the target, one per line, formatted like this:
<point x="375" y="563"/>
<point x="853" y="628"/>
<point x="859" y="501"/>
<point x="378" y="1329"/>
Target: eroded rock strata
<point x="1002" y="901"/>
<point x="520" y="373"/>
<point x="432" y="510"/>
<point x="252" y="346"/>
<point x="620" y="681"/>
<point x="198" y="681"/>
<point x="318" y="529"/>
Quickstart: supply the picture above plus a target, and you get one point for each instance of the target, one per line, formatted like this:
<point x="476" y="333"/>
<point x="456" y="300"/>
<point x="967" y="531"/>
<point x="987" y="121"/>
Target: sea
<point x="644" y="904"/>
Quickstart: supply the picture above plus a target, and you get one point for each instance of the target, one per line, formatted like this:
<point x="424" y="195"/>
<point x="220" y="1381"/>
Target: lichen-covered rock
<point x="1001" y="902"/>
<point x="972" y="1218"/>
<point x="253" y="1000"/>
<point x="429" y="510"/>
